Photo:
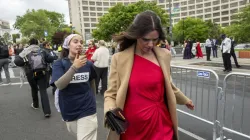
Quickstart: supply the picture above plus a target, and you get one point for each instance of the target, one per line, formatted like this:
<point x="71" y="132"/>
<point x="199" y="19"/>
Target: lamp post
<point x="71" y="26"/>
<point x="170" y="21"/>
<point x="183" y="21"/>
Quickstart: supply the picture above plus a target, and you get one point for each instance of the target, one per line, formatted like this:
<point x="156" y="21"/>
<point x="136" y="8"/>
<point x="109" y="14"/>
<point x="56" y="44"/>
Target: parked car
<point x="242" y="46"/>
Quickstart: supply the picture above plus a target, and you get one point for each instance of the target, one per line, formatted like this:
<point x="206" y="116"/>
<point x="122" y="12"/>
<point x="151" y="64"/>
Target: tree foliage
<point x="14" y="37"/>
<point x="35" y="22"/>
<point x="58" y="37"/>
<point x="6" y="37"/>
<point x="240" y="27"/>
<point x="190" y="28"/>
<point x="214" y="31"/>
<point x="120" y="17"/>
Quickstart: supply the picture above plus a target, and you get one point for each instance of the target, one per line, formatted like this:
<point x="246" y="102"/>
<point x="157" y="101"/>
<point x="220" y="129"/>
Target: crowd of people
<point x="212" y="47"/>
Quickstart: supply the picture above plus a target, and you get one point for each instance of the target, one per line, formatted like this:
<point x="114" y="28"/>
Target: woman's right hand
<point x="79" y="61"/>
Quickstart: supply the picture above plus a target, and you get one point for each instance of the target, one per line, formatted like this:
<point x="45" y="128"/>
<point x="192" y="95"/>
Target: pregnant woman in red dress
<point x="145" y="108"/>
<point x="139" y="81"/>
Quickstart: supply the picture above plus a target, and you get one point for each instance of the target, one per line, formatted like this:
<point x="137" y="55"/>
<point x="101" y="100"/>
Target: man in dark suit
<point x="233" y="53"/>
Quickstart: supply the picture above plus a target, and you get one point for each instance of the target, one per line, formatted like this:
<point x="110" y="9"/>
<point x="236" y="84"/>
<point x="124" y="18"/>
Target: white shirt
<point x="226" y="45"/>
<point x="101" y="57"/>
<point x="208" y="43"/>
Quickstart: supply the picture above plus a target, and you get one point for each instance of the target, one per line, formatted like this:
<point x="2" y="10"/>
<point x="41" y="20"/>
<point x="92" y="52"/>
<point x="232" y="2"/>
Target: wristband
<point x="74" y="68"/>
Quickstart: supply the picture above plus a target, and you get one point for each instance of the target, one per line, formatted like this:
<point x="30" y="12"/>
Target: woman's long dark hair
<point x="143" y="23"/>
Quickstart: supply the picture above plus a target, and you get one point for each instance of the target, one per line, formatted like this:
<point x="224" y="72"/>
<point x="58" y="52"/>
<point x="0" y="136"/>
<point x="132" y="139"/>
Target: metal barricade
<point x="236" y="104"/>
<point x="201" y="86"/>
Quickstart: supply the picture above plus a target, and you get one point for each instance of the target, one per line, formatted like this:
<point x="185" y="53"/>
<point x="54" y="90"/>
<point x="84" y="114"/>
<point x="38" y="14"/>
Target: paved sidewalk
<point x="216" y="64"/>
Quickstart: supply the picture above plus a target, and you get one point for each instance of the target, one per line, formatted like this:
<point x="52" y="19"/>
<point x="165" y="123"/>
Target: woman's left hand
<point x="190" y="105"/>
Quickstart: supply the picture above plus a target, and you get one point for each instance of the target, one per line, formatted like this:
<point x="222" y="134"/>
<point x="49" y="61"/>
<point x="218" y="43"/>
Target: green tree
<point x="35" y="22"/>
<point x="190" y="28"/>
<point x="215" y="30"/>
<point x="240" y="27"/>
<point x="24" y="40"/>
<point x="6" y="37"/>
<point x="58" y="37"/>
<point x="120" y="17"/>
<point x="15" y="36"/>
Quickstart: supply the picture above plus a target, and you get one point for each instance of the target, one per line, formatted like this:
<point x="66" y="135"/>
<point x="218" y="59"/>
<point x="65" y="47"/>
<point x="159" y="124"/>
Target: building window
<point x="93" y="25"/>
<point x="183" y="3"/>
<point x="87" y="30"/>
<point x="199" y="11"/>
<point x="177" y="15"/>
<point x="84" y="2"/>
<point x="208" y="10"/>
<point x="183" y="8"/>
<point x="184" y="14"/>
<point x="208" y="4"/>
<point x="105" y="9"/>
<point x="86" y="25"/>
<point x="243" y="2"/>
<point x="86" y="19"/>
<point x="91" y="3"/>
<point x="85" y="14"/>
<point x="199" y="6"/>
<point x="216" y="8"/>
<point x="85" y="8"/>
<point x="216" y="2"/>
<point x="99" y="14"/>
<point x="176" y="5"/>
<point x="99" y="9"/>
<point x="191" y="12"/>
<point x="92" y="8"/>
<point x="98" y="3"/>
<point x="201" y="16"/>
<point x="224" y="6"/>
<point x="161" y="1"/>
<point x="92" y="14"/>
<point x="216" y="14"/>
<point x="225" y="19"/>
<point x="234" y="11"/>
<point x="198" y="1"/>
<point x="126" y="3"/>
<point x="93" y="19"/>
<point x="234" y="4"/>
<point x="191" y="7"/>
<point x="224" y="13"/>
<point x="208" y="16"/>
<point x="112" y="4"/>
<point x="216" y="20"/>
<point x="105" y="4"/>
<point x="191" y="1"/>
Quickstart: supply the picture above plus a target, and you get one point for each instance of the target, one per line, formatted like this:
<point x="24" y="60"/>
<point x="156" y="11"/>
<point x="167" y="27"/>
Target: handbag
<point x="116" y="121"/>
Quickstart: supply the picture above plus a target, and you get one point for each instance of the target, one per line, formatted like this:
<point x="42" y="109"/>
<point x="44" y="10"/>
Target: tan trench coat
<point x="121" y="66"/>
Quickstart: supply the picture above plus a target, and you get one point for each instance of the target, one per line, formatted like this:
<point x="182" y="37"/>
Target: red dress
<point x="89" y="53"/>
<point x="145" y="109"/>
<point x="198" y="50"/>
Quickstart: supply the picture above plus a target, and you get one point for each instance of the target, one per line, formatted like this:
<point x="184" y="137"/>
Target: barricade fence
<point x="201" y="86"/>
<point x="236" y="105"/>
<point x="213" y="105"/>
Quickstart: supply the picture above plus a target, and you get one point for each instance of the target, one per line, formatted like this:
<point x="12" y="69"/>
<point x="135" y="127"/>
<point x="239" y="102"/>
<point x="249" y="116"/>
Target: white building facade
<point x="84" y="14"/>
<point x="4" y="27"/>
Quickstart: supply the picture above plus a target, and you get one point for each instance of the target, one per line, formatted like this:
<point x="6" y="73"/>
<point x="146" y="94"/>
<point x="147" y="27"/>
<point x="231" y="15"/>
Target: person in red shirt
<point x="89" y="53"/>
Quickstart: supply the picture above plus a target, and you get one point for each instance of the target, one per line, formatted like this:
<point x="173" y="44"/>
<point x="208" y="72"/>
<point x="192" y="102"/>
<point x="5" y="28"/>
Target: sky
<point x="9" y="9"/>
